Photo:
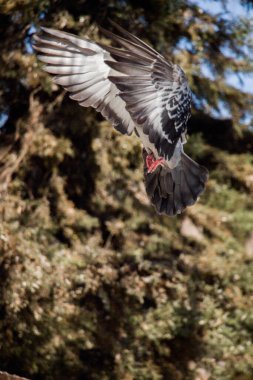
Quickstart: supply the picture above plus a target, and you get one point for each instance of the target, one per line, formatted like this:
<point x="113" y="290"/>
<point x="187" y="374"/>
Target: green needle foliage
<point x="94" y="284"/>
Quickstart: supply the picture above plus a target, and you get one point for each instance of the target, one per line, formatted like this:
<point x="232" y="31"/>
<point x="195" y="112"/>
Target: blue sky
<point x="3" y="118"/>
<point x="232" y="7"/>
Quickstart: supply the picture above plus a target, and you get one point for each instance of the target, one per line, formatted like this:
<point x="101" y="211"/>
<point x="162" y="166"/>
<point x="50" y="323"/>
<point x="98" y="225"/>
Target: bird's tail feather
<point x="172" y="190"/>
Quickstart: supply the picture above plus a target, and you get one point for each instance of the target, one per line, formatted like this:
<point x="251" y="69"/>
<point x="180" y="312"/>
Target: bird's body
<point x="151" y="149"/>
<point x="137" y="90"/>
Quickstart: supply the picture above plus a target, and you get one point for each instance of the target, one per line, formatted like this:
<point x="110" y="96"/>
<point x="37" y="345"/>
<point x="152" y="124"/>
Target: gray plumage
<point x="136" y="89"/>
<point x="79" y="66"/>
<point x="172" y="190"/>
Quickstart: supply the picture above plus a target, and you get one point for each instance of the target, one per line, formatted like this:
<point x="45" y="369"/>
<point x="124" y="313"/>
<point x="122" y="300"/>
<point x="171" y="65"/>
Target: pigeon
<point x="138" y="91"/>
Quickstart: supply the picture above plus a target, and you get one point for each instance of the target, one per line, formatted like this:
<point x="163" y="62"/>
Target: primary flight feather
<point x="136" y="89"/>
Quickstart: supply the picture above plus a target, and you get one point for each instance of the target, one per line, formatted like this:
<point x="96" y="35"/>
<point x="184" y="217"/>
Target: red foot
<point x="152" y="163"/>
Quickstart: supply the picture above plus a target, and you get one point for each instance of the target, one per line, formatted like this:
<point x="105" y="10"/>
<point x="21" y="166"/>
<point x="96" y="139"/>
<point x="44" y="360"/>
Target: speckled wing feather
<point x="156" y="91"/>
<point x="79" y="66"/>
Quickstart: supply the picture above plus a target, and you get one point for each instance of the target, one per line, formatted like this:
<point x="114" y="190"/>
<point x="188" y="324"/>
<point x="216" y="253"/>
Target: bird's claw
<point x="152" y="163"/>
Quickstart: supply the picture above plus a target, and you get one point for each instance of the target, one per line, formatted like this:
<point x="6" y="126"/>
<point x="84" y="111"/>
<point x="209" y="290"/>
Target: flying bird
<point x="137" y="90"/>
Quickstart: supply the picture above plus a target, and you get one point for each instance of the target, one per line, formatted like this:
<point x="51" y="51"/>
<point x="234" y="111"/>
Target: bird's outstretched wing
<point x="156" y="91"/>
<point x="79" y="66"/>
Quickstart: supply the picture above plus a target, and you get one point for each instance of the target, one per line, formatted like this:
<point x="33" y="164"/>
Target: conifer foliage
<point x="94" y="284"/>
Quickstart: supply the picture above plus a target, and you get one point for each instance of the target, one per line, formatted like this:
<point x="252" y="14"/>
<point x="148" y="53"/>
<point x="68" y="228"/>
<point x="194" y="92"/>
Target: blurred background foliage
<point x="94" y="284"/>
